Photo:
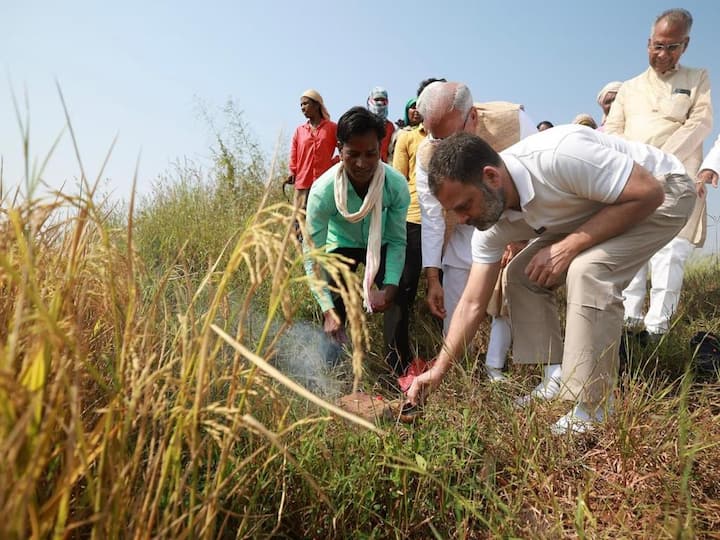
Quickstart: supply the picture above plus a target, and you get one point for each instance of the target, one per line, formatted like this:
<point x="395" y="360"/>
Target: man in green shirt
<point x="358" y="209"/>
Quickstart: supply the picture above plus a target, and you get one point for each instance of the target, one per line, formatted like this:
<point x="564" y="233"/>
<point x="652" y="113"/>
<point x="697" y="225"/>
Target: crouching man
<point x="595" y="208"/>
<point x="358" y="209"/>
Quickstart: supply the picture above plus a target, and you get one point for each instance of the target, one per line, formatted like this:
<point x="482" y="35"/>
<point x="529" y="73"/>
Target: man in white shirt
<point x="447" y="108"/>
<point x="669" y="107"/>
<point x="595" y="208"/>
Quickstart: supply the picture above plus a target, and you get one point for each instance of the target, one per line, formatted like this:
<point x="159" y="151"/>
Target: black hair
<point x="358" y="121"/>
<point x="425" y="82"/>
<point x="547" y="123"/>
<point x="461" y="157"/>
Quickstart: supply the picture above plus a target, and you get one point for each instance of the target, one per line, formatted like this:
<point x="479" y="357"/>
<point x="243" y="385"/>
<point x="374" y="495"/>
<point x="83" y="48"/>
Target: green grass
<point x="138" y="396"/>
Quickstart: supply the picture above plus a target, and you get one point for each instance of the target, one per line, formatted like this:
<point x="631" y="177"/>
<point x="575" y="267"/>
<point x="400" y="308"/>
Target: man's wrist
<point x="432" y="274"/>
<point x="573" y="244"/>
<point x="441" y="367"/>
<point x="390" y="291"/>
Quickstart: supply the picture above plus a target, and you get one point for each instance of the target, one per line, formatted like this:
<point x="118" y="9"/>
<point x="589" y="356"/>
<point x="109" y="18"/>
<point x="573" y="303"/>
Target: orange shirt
<point x="311" y="152"/>
<point x="385" y="143"/>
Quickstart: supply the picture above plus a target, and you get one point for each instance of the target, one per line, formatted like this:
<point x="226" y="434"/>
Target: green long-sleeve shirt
<point x="329" y="229"/>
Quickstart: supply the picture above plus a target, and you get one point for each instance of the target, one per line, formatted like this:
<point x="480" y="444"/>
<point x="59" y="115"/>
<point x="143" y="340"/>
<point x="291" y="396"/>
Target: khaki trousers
<point x="595" y="281"/>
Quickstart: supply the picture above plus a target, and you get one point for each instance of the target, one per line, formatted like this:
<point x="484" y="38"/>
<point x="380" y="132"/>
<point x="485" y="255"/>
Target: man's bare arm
<point x="465" y="321"/>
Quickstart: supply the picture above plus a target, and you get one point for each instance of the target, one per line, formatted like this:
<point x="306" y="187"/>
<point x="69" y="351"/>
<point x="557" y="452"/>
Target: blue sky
<point x="140" y="69"/>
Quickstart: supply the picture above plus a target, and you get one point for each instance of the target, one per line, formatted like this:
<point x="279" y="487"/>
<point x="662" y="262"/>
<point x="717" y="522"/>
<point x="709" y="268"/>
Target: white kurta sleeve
<point x="712" y="160"/>
<point x="433" y="220"/>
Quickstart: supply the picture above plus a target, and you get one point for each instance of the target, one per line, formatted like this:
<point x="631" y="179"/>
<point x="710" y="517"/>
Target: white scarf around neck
<point x="372" y="203"/>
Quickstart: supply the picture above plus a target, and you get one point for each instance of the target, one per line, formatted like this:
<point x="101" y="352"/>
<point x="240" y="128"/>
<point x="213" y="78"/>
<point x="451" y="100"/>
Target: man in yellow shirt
<point x="408" y="140"/>
<point x="667" y="106"/>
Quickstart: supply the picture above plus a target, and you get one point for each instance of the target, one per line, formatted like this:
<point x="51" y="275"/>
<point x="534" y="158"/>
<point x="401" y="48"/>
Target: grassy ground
<point x="138" y="397"/>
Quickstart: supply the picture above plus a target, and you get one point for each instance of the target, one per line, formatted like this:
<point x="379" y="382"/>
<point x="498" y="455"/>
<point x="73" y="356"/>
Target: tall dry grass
<point x="131" y="407"/>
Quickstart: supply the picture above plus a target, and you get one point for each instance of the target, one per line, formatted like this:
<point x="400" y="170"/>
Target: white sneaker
<point x="548" y="388"/>
<point x="580" y="419"/>
<point x="495" y="374"/>
<point x="545" y="391"/>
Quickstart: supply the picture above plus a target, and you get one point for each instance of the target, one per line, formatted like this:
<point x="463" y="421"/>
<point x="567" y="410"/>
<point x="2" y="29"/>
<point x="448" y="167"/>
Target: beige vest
<point x="498" y="123"/>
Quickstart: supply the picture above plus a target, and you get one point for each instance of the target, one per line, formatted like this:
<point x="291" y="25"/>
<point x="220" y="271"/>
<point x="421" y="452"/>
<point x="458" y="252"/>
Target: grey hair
<point x="429" y="98"/>
<point x="675" y="16"/>
<point x="434" y="100"/>
<point x="463" y="100"/>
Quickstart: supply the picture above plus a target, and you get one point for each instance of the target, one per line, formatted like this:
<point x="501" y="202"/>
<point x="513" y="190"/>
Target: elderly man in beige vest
<point x="667" y="106"/>
<point x="448" y="108"/>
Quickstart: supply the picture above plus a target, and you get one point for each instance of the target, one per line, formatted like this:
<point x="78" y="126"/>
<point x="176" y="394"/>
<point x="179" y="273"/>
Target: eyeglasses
<point x="467" y="117"/>
<point x="669" y="47"/>
<point x="462" y="128"/>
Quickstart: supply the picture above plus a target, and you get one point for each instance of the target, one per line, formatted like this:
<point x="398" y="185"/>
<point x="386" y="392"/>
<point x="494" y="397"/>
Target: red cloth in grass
<point x="417" y="367"/>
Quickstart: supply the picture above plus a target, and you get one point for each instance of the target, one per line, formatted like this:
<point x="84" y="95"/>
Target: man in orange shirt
<point x="313" y="146"/>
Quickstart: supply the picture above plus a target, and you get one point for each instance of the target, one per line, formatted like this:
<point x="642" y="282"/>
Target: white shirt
<point x="712" y="160"/>
<point x="564" y="176"/>
<point x="458" y="252"/>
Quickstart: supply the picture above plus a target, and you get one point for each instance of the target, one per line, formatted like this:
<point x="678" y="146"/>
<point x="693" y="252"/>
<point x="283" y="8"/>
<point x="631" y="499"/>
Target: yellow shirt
<point x="404" y="161"/>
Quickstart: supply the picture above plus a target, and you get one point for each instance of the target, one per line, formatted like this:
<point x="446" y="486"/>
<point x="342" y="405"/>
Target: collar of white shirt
<point x="523" y="183"/>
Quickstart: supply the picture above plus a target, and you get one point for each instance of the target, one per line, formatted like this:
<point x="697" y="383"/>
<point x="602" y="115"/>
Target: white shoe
<point x="545" y="391"/>
<point x="495" y="374"/>
<point x="548" y="388"/>
<point x="580" y="419"/>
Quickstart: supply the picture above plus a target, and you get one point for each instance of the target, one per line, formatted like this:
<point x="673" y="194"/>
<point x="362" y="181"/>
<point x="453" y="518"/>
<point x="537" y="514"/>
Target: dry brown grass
<point x="121" y="415"/>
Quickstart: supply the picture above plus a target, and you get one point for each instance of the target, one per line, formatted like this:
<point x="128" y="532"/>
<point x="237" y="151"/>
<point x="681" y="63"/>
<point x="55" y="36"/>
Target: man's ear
<point x="339" y="146"/>
<point x="491" y="176"/>
<point x="687" y="43"/>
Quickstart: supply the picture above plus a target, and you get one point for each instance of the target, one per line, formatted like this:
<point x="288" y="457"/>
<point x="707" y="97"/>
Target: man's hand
<point x="381" y="300"/>
<point x="423" y="385"/>
<point x="435" y="299"/>
<point x="512" y="249"/>
<point x="550" y="263"/>
<point x="706" y="176"/>
<point x="333" y="327"/>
